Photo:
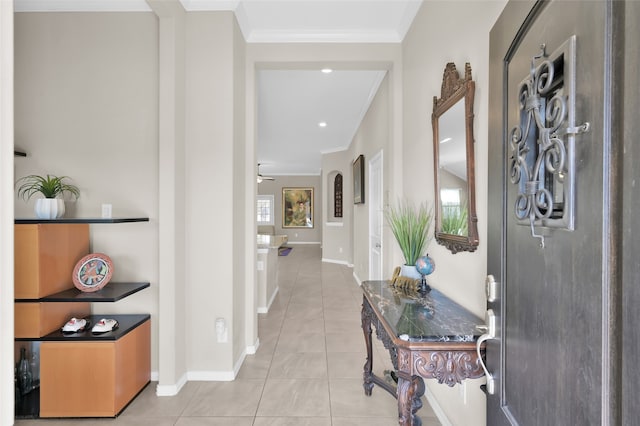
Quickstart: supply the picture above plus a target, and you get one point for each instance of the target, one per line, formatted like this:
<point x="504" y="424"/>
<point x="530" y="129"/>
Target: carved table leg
<point x="368" y="366"/>
<point x="410" y="392"/>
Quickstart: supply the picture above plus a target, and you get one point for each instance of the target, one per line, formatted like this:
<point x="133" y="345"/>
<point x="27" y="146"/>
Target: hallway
<point x="307" y="371"/>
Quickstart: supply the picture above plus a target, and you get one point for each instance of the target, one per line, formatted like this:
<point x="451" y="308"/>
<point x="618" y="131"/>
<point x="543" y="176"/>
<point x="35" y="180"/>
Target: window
<point x="265" y="210"/>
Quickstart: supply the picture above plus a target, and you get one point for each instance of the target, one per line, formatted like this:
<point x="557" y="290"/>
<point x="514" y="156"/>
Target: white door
<point x="375" y="217"/>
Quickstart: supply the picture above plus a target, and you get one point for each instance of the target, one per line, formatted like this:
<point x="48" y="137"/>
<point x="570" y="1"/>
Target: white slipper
<point x="75" y="325"/>
<point x="105" y="325"/>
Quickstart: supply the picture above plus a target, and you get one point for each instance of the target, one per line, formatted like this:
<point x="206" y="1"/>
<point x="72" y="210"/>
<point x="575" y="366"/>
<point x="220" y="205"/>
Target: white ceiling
<point x="292" y="102"/>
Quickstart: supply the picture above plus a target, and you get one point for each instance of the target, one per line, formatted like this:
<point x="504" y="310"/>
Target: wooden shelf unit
<point x="81" y="375"/>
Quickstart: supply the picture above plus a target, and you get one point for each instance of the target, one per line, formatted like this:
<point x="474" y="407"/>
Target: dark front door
<point x="552" y="217"/>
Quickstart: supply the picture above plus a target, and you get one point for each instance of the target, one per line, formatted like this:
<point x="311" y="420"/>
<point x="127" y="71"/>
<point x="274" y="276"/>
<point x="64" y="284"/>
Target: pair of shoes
<point x="105" y="325"/>
<point x="75" y="325"/>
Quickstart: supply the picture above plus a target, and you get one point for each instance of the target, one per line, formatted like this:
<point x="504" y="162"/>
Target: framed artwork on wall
<point x="358" y="180"/>
<point x="297" y="207"/>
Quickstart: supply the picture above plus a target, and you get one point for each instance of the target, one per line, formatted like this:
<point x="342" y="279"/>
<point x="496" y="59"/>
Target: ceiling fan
<point x="260" y="178"/>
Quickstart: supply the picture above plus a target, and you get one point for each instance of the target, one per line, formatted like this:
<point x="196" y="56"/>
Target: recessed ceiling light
<point x="322" y="124"/>
<point x="327" y="70"/>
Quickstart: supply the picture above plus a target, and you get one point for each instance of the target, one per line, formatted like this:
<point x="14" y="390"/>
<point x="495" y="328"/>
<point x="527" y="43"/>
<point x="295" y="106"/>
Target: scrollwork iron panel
<point x="542" y="162"/>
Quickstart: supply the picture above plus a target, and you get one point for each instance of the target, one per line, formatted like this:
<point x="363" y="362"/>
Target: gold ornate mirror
<point x="454" y="164"/>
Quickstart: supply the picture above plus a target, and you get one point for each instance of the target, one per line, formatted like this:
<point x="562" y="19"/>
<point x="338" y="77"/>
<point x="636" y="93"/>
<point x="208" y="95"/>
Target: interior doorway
<point x="375" y="216"/>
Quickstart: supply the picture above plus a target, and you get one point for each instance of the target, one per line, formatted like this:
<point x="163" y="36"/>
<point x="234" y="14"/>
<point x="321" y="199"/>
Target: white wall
<point x="7" y="362"/>
<point x="373" y="135"/>
<point x="296" y="235"/>
<point x="86" y="106"/>
<point x="209" y="191"/>
<point x="242" y="176"/>
<point x="337" y="232"/>
<point x="428" y="46"/>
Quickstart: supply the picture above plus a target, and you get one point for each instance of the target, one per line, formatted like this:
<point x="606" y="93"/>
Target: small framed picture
<point x="358" y="180"/>
<point x="297" y="207"/>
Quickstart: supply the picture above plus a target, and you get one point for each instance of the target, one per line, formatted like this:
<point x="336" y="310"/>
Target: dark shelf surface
<point x="112" y="292"/>
<point x="83" y="220"/>
<point x="126" y="324"/>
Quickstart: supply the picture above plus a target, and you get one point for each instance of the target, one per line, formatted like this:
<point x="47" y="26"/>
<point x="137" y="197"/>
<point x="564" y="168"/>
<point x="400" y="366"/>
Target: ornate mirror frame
<point x="455" y="89"/>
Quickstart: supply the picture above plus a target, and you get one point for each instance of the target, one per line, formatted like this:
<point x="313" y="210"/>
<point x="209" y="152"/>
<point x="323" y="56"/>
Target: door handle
<point x="490" y="328"/>
<point x="491" y="288"/>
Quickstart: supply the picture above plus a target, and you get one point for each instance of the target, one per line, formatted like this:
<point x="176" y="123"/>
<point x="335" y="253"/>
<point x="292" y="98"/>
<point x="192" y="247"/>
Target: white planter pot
<point x="49" y="208"/>
<point x="410" y="271"/>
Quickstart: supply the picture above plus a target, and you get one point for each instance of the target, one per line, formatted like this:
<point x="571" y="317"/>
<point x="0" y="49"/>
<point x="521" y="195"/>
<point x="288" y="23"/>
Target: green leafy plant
<point x="49" y="186"/>
<point x="410" y="225"/>
<point x="454" y="220"/>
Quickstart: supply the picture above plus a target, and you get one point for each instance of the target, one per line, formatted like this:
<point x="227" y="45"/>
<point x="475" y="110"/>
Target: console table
<point x="428" y="336"/>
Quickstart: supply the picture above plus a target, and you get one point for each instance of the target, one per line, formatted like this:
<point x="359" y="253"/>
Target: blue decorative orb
<point x="425" y="265"/>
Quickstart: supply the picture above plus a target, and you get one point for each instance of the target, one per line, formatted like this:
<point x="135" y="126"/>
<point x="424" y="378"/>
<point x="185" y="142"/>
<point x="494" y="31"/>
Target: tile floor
<point x="306" y="372"/>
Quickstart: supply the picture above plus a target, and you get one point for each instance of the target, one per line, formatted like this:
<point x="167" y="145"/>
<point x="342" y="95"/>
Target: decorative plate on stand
<point x="92" y="272"/>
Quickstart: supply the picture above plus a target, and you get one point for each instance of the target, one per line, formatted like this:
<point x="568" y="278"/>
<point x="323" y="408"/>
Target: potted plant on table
<point x="53" y="188"/>
<point x="410" y="225"/>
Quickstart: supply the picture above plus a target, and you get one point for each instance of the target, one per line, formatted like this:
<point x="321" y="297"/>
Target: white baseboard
<point x="439" y="412"/>
<point x="252" y="349"/>
<point x="292" y="243"/>
<point x="263" y="309"/>
<point x="339" y="262"/>
<point x="358" y="280"/>
<point x="171" y="390"/>
<point x="210" y="376"/>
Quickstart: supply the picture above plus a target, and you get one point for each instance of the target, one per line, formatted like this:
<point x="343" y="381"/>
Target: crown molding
<point x="81" y="6"/>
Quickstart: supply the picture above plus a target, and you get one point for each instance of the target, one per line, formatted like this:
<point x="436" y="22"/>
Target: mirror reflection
<point x="452" y="120"/>
<point x="452" y="165"/>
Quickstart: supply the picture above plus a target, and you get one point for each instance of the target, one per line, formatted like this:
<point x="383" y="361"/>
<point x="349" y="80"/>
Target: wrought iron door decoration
<point x="542" y="162"/>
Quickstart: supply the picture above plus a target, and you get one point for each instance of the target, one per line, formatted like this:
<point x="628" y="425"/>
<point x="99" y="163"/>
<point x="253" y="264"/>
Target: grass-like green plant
<point x="49" y="186"/>
<point x="455" y="220"/>
<point x="410" y="225"/>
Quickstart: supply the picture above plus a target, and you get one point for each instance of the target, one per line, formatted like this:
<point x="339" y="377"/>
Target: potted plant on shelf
<point x="53" y="188"/>
<point x="410" y="225"/>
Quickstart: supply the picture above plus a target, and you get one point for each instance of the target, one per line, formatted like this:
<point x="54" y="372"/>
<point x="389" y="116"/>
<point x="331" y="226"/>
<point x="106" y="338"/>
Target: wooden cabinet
<point x="80" y="375"/>
<point x="90" y="377"/>
<point x="37" y="319"/>
<point x="45" y="255"/>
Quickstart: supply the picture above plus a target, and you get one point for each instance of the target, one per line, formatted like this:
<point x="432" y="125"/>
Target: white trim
<point x="377" y="159"/>
<point x="372" y="94"/>
<point x="252" y="349"/>
<point x="303" y="242"/>
<point x="171" y="390"/>
<point x="358" y="280"/>
<point x="333" y="151"/>
<point x="323" y="36"/>
<point x="437" y="409"/>
<point x="81" y="6"/>
<point x="7" y="344"/>
<point x="209" y="5"/>
<point x="335" y="224"/>
<point x="264" y="310"/>
<point x="211" y="376"/>
<point x="339" y="262"/>
<point x="410" y="12"/>
<point x="263" y="251"/>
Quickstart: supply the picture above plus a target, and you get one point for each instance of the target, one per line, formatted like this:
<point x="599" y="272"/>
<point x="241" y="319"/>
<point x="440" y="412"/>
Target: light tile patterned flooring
<point x="306" y="372"/>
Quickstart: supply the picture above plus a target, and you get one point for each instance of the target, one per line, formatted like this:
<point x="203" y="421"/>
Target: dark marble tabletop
<point x="432" y="317"/>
